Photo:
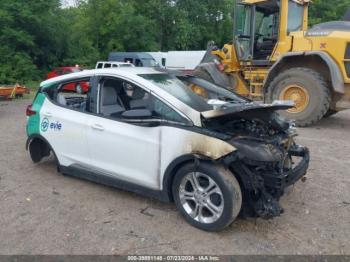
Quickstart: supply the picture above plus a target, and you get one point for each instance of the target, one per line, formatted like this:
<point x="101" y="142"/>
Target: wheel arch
<point x="317" y="60"/>
<point x="39" y="147"/>
<point x="172" y="169"/>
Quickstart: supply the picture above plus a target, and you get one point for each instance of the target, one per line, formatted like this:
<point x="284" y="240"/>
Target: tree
<point x="325" y="10"/>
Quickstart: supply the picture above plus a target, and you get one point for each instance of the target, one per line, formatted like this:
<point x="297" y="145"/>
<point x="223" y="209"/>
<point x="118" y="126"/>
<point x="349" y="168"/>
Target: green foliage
<point x="325" y="10"/>
<point x="38" y="35"/>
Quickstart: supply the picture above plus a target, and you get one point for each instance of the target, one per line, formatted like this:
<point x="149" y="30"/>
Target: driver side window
<point x="118" y="96"/>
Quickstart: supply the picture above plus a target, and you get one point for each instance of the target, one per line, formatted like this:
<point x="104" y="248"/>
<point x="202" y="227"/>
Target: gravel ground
<point x="43" y="212"/>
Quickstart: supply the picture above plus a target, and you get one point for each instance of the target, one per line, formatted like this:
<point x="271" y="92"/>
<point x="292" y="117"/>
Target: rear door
<point x="63" y="122"/>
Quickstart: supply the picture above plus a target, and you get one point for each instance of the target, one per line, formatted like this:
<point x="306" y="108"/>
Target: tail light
<point x="30" y="111"/>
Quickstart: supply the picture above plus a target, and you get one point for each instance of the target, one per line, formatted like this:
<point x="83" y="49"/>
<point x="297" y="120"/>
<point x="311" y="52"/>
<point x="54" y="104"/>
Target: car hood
<point x="251" y="108"/>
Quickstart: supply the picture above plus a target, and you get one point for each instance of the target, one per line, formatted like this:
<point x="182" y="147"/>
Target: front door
<point x="125" y="151"/>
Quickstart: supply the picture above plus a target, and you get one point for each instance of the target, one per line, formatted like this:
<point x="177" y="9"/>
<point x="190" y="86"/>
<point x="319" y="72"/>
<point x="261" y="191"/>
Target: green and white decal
<point x="33" y="123"/>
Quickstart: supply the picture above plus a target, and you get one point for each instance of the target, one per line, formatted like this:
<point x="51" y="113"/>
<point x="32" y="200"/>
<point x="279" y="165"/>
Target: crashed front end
<point x="267" y="160"/>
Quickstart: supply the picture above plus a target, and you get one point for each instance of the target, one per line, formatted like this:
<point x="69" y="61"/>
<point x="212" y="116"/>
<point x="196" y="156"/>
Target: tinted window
<point x="138" y="63"/>
<point x="108" y="65"/>
<point x="129" y="60"/>
<point x="99" y="65"/>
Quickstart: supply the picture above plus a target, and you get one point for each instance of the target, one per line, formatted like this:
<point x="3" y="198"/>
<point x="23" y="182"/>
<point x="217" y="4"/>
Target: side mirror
<point x="137" y="114"/>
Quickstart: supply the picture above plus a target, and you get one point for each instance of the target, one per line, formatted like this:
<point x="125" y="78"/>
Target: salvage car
<point x="174" y="138"/>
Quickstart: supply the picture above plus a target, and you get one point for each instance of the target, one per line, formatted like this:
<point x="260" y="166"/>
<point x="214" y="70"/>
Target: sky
<point x="68" y="3"/>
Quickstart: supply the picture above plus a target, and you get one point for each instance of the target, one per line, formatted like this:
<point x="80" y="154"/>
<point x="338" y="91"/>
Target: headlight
<point x="257" y="151"/>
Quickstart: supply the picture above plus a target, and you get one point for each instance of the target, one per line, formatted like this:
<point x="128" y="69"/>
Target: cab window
<point x="295" y="16"/>
<point x="116" y="96"/>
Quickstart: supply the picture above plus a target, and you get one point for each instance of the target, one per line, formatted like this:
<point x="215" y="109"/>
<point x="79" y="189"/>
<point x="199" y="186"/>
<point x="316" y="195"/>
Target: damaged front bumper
<point x="264" y="184"/>
<point x="288" y="178"/>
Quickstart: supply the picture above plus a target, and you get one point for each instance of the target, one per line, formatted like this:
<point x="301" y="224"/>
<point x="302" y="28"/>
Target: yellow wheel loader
<point x="275" y="56"/>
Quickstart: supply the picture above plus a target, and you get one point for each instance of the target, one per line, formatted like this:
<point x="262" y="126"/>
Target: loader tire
<point x="308" y="89"/>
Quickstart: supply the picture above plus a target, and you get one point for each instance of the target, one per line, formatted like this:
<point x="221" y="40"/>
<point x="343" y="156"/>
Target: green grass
<point x="34" y="87"/>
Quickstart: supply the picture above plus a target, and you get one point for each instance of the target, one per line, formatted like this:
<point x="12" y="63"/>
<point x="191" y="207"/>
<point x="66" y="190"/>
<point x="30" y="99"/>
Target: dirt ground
<point x="43" y="212"/>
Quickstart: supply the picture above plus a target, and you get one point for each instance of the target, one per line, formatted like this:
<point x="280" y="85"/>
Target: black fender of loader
<point x="337" y="80"/>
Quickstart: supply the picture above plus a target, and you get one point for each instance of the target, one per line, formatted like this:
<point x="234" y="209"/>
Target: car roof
<point x="67" y="67"/>
<point x="121" y="71"/>
<point x="113" y="62"/>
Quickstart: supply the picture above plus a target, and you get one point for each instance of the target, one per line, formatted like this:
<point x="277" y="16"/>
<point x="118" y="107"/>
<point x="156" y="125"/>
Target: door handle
<point x="97" y="127"/>
<point x="48" y="114"/>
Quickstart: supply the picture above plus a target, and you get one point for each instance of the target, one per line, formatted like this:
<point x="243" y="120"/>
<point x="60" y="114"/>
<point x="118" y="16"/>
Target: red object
<point x="79" y="86"/>
<point x="221" y="67"/>
<point x="30" y="111"/>
<point x="9" y="92"/>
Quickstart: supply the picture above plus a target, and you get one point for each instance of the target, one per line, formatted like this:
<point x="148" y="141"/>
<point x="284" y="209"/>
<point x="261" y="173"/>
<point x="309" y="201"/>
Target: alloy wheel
<point x="201" y="197"/>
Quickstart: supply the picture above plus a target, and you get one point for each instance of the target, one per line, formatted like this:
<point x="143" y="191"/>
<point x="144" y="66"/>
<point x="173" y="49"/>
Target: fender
<point x="336" y="75"/>
<point x="33" y="136"/>
<point x="171" y="170"/>
<point x="38" y="136"/>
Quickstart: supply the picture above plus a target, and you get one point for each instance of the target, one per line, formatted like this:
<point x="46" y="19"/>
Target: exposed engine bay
<point x="267" y="159"/>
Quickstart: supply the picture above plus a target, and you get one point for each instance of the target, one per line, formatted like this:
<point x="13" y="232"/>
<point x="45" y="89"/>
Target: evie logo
<point x="46" y="125"/>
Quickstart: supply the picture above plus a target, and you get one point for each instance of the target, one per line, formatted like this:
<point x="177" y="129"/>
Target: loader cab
<point x="260" y="25"/>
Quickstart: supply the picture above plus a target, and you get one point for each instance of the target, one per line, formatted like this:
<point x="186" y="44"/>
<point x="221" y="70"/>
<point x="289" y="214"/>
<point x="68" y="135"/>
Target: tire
<point x="79" y="89"/>
<point x="224" y="197"/>
<point x="310" y="83"/>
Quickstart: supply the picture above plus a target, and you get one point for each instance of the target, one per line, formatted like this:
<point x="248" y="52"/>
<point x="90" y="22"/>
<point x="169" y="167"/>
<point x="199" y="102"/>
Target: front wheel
<point x="208" y="196"/>
<point x="309" y="91"/>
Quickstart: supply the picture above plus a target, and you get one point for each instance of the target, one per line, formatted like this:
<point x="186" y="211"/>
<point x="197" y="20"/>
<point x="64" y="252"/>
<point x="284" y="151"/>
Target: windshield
<point x="243" y="30"/>
<point x="194" y="92"/>
<point x="148" y="62"/>
<point x="295" y="16"/>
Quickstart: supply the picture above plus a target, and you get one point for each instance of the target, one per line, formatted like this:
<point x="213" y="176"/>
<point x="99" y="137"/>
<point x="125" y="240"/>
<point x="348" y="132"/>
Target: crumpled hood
<point x="248" y="107"/>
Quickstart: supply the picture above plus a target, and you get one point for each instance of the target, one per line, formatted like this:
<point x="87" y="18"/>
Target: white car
<point x="174" y="138"/>
<point x="111" y="64"/>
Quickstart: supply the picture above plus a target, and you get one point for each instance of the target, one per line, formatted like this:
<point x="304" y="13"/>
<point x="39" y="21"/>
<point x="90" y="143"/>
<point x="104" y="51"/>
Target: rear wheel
<point x="208" y="196"/>
<point x="308" y="89"/>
